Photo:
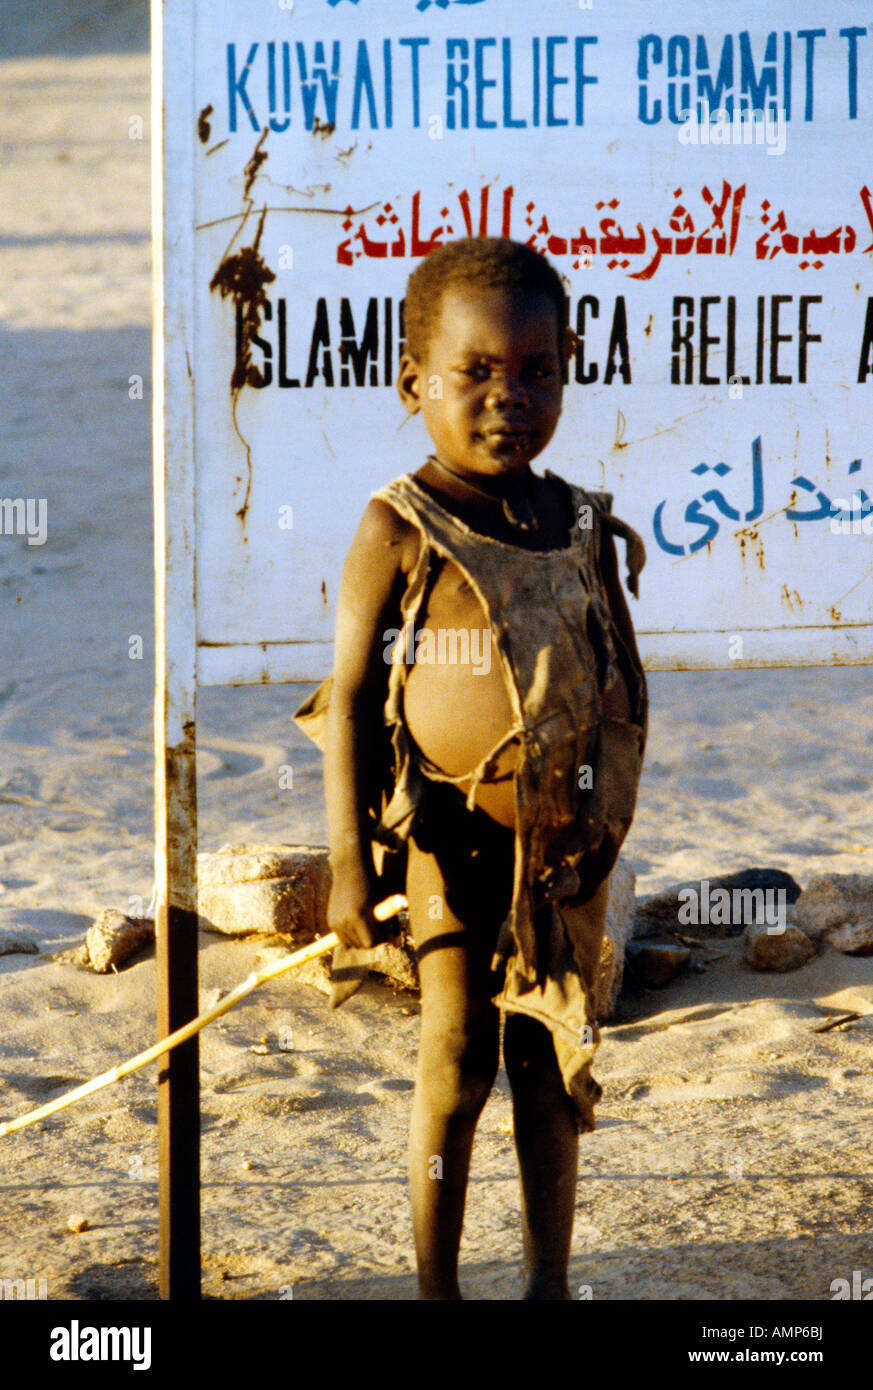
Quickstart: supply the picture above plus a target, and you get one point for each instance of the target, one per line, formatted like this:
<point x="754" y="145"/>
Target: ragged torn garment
<point x="565" y="643"/>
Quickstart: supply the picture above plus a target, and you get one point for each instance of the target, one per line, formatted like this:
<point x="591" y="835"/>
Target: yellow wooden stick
<point x="382" y="911"/>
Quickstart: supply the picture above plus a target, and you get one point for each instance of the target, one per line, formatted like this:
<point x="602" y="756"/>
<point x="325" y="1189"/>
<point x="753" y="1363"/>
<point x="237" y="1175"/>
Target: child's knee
<point x="457" y="1070"/>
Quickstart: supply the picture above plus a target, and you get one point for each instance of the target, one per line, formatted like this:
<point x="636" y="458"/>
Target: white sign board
<point x="700" y="176"/>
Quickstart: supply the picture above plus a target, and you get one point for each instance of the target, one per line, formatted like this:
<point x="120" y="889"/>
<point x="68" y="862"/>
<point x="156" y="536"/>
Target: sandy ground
<point x="732" y="1157"/>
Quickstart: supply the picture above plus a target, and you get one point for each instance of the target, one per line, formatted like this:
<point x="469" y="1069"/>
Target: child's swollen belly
<point x="455" y="700"/>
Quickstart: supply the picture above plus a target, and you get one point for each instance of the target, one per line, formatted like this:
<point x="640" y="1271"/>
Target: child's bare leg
<point x="546" y="1140"/>
<point x="457" y="1064"/>
<point x="546" y="1132"/>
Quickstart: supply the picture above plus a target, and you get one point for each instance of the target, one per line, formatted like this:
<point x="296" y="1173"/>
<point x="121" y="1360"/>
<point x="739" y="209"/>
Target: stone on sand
<point x="246" y="889"/>
<point x="655" y="963"/>
<point x="114" y="938"/>
<point x="764" y="949"/>
<point x="397" y="963"/>
<point x="854" y="938"/>
<point x="350" y="967"/>
<point x="838" y="908"/>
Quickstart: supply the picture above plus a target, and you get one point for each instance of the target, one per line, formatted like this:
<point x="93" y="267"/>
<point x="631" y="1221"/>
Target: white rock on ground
<point x="838" y="908"/>
<point x="620" y="908"/>
<point x="114" y="938"/>
<point x="264" y="888"/>
<point x="855" y="938"/>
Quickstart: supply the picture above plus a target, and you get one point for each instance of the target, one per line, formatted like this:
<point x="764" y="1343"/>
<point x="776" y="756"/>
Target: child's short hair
<point x="486" y="262"/>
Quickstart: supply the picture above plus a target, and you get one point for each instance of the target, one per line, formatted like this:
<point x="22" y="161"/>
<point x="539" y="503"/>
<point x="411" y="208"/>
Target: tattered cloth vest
<point x="577" y="771"/>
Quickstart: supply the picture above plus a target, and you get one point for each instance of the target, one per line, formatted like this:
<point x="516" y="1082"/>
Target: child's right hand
<point x="350" y="912"/>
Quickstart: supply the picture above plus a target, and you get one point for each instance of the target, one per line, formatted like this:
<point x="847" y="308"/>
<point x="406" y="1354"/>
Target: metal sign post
<point x="175" y="649"/>
<point x="699" y="175"/>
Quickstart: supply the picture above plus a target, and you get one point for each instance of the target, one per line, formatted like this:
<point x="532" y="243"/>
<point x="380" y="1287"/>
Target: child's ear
<point x="571" y="342"/>
<point x="409" y="383"/>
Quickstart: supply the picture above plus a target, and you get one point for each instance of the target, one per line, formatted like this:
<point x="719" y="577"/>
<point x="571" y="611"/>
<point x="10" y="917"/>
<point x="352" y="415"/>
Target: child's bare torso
<point x="456" y="711"/>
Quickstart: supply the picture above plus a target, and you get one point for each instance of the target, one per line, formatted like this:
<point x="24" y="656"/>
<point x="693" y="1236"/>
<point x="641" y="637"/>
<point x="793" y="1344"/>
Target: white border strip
<point x="172" y="367"/>
<point x="759" y="647"/>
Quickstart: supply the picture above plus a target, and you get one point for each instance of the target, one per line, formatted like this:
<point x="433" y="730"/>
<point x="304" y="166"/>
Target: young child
<point x="487" y="715"/>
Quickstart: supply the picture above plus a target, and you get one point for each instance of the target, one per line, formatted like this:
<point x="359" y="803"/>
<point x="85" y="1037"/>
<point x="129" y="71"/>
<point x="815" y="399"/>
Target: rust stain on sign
<point x="744" y="537"/>
<point x="242" y="277"/>
<point x="259" y="157"/>
<point x="791" y="597"/>
<point x="203" y="127"/>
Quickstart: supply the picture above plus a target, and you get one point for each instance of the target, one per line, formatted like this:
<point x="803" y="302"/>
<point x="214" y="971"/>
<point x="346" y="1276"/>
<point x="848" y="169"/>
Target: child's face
<point x="489" y="385"/>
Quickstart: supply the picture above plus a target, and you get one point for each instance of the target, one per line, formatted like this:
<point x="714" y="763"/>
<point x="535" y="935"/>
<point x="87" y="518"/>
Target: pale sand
<point x="732" y="1154"/>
